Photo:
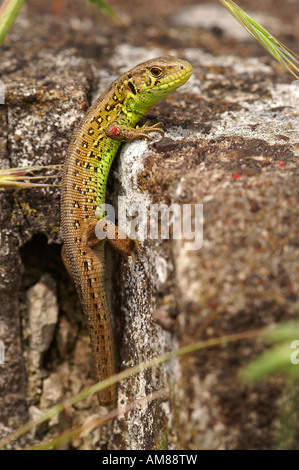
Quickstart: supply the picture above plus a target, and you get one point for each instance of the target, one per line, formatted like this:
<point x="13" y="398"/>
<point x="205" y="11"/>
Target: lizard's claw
<point x="148" y="127"/>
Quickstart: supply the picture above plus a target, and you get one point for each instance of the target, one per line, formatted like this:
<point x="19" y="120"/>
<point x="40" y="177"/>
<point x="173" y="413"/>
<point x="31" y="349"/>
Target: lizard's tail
<point x="92" y="293"/>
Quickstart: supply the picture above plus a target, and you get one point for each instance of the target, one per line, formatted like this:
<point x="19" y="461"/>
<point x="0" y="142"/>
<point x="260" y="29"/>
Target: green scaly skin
<point x="110" y="121"/>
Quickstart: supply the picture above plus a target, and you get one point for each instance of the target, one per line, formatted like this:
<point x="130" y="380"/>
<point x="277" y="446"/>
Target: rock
<point x="65" y="337"/>
<point x="52" y="391"/>
<point x="34" y="414"/>
<point x="231" y="145"/>
<point x="42" y="314"/>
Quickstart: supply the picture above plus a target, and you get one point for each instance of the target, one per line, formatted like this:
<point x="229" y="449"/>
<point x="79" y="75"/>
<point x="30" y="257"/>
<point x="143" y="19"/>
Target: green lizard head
<point x="150" y="81"/>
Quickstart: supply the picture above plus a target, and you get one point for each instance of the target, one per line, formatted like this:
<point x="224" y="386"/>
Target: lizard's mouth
<point x="179" y="78"/>
<point x="175" y="79"/>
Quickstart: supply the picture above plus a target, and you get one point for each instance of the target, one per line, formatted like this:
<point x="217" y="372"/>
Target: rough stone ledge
<point x="230" y="145"/>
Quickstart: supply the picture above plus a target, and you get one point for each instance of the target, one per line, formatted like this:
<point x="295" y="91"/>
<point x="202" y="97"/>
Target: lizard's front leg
<point x="118" y="131"/>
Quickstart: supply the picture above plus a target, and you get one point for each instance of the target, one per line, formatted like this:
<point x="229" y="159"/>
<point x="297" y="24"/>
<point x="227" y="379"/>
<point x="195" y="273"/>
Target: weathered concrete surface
<point x="231" y="145"/>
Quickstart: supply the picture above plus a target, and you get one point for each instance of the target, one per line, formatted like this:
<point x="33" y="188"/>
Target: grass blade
<point x="19" y="178"/>
<point x="8" y="13"/>
<point x="279" y="51"/>
<point x="107" y="10"/>
<point x="84" y="394"/>
<point x="99" y="421"/>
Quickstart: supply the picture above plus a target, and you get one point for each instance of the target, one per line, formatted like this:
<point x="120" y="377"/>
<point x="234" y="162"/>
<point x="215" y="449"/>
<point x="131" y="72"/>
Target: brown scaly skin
<point x="109" y="121"/>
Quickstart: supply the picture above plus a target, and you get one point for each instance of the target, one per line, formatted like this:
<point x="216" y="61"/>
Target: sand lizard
<point x="110" y="121"/>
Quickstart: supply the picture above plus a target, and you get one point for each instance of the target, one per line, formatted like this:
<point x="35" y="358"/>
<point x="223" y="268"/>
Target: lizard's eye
<point x="156" y="72"/>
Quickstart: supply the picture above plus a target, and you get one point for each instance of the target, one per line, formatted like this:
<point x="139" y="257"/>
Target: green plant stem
<point x="279" y="51"/>
<point x="8" y="13"/>
<point x="17" y="177"/>
<point x="97" y="422"/>
<point x="107" y="10"/>
<point x="282" y="332"/>
<point x="128" y="373"/>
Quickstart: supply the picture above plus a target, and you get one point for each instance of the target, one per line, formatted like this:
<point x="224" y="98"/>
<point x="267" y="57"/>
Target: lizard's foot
<point x="123" y="133"/>
<point x="148" y="128"/>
